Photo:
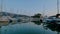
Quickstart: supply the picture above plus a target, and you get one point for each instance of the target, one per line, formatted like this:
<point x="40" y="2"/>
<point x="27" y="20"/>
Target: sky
<point x="30" y="7"/>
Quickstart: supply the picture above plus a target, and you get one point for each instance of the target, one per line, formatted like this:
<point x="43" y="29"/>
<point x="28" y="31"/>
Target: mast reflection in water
<point x="35" y="27"/>
<point x="53" y="27"/>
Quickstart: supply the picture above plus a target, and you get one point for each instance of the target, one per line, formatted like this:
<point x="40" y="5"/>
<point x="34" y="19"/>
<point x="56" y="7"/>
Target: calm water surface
<point x="29" y="28"/>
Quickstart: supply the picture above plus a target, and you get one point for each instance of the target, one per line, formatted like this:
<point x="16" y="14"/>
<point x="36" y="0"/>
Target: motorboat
<point x="52" y="19"/>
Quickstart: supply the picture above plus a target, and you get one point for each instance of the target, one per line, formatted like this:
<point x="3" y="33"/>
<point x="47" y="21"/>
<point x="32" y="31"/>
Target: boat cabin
<point x="57" y="15"/>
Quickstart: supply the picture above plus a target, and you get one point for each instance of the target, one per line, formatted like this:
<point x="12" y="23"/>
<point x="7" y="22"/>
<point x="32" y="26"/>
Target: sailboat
<point x="3" y="19"/>
<point x="54" y="19"/>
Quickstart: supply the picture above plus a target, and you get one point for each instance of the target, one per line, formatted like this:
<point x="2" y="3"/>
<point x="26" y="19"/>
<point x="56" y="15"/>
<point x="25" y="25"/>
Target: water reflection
<point x="37" y="22"/>
<point x="29" y="28"/>
<point x="53" y="27"/>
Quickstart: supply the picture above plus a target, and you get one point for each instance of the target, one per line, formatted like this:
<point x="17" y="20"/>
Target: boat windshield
<point x="51" y="17"/>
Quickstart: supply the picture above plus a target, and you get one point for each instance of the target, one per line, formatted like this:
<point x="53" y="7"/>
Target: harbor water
<point x="29" y="28"/>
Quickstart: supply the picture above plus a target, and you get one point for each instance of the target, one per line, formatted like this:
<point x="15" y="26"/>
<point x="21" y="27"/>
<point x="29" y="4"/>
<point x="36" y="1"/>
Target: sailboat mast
<point x="1" y="5"/>
<point x="57" y="6"/>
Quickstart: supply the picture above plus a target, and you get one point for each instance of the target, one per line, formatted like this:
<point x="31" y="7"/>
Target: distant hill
<point x="12" y="15"/>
